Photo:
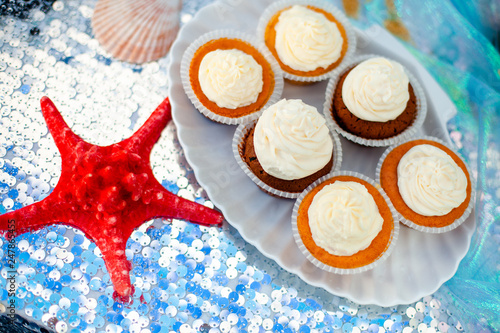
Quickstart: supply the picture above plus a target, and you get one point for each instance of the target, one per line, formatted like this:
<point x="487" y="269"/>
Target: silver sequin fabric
<point x="187" y="278"/>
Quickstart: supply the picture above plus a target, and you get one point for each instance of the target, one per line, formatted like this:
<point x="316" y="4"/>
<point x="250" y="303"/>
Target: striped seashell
<point x="136" y="31"/>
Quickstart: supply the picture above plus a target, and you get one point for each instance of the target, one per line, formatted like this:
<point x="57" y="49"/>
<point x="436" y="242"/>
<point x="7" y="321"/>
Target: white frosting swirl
<point x="430" y="181"/>
<point x="230" y="78"/>
<point x="306" y="39"/>
<point x="344" y="218"/>
<point x="291" y="140"/>
<point x="376" y="90"/>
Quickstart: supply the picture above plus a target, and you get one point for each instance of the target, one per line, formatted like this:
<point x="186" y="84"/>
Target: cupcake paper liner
<point x="332" y="269"/>
<point x="240" y="134"/>
<point x="271" y="10"/>
<point x="216" y="34"/>
<point x="411" y="224"/>
<point x="407" y="133"/>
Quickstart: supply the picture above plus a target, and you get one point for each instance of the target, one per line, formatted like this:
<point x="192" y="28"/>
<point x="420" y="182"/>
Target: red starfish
<point x="107" y="192"/>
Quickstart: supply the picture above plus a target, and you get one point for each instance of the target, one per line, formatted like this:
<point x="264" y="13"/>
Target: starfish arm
<point x="32" y="217"/>
<point x="63" y="136"/>
<point x="112" y="244"/>
<point x="167" y="205"/>
<point x="146" y="136"/>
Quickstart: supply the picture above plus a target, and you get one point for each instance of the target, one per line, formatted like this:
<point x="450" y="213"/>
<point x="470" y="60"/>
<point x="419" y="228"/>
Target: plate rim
<point x="448" y="113"/>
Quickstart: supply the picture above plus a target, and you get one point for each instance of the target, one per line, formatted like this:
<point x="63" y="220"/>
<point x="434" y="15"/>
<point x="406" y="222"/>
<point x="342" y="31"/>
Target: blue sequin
<point x="181" y="271"/>
<point x="233" y="296"/>
<point x="66" y="269"/>
<point x="197" y="313"/>
<point x="82" y="325"/>
<point x="155" y="328"/>
<point x="163" y="272"/>
<point x="25" y="89"/>
<point x="78" y="239"/>
<point x="255" y="286"/>
<point x="76" y="250"/>
<point x="241" y="267"/>
<point x="251" y="305"/>
<point x="172" y="277"/>
<point x="65" y="280"/>
<point x="223" y="302"/>
<point x="278" y="327"/>
<point x="13" y="193"/>
<point x="91" y="269"/>
<point x="177" y="325"/>
<point x="242" y="322"/>
<point x="99" y="322"/>
<point x="173" y="301"/>
<point x="117" y="307"/>
<point x="240" y="289"/>
<point x="125" y="323"/>
<point x="214" y="321"/>
<point x="62" y="314"/>
<point x="37" y="314"/>
<point x="138" y="271"/>
<point x="242" y="311"/>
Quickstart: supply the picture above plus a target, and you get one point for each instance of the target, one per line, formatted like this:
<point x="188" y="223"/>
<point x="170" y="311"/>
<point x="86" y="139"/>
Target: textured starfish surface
<point x="107" y="192"/>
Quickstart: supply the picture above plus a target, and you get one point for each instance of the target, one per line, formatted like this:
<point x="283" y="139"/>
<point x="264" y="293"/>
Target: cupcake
<point x="287" y="149"/>
<point x="428" y="184"/>
<point x="308" y="40"/>
<point x="230" y="77"/>
<point x="344" y="224"/>
<point x="374" y="101"/>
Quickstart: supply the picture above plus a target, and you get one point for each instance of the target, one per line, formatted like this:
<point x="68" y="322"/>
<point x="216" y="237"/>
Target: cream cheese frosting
<point x="306" y="39"/>
<point x="291" y="140"/>
<point x="376" y="90"/>
<point x="344" y="218"/>
<point x="230" y="78"/>
<point x="430" y="181"/>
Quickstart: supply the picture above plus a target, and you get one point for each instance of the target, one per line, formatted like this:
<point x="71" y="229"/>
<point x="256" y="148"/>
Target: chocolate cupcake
<point x="375" y="101"/>
<point x="428" y="183"/>
<point x="287" y="149"/>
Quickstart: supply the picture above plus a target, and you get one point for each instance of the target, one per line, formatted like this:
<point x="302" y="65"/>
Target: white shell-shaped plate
<point x="419" y="264"/>
<point x="136" y="31"/>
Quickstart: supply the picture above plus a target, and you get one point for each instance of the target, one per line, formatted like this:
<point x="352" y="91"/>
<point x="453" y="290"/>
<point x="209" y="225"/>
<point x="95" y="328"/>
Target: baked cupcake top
<point x="291" y="140"/>
<point x="344" y="218"/>
<point x="376" y="90"/>
<point x="306" y="39"/>
<point x="374" y="101"/>
<point x="344" y="223"/>
<point x="230" y="78"/>
<point x="430" y="182"/>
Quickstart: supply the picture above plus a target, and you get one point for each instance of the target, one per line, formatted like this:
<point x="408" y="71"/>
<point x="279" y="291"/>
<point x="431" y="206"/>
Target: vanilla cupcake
<point x="308" y="40"/>
<point x="230" y="77"/>
<point x="287" y="149"/>
<point x="374" y="101"/>
<point x="428" y="184"/>
<point x="344" y="224"/>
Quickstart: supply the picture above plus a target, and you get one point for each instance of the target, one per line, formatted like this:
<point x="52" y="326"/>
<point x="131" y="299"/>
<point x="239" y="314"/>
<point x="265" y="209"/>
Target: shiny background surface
<point x="193" y="278"/>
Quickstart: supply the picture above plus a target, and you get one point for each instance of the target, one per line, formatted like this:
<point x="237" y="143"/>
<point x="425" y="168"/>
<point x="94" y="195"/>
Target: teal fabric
<point x="454" y="40"/>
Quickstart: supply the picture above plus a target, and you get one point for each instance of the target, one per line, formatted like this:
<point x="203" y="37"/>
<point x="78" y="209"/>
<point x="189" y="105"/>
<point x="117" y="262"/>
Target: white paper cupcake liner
<point x="411" y="224"/>
<point x="275" y="7"/>
<point x="216" y="34"/>
<point x="240" y="134"/>
<point x="343" y="271"/>
<point x="407" y="133"/>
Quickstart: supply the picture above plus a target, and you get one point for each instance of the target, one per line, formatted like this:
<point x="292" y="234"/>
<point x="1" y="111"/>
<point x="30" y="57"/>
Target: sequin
<point x="187" y="278"/>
